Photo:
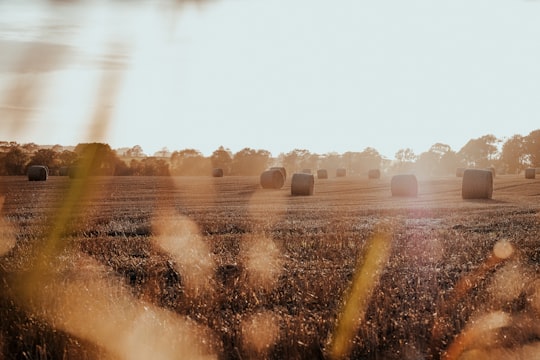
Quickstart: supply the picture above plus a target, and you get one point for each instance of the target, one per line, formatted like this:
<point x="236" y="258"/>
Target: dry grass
<point x="244" y="273"/>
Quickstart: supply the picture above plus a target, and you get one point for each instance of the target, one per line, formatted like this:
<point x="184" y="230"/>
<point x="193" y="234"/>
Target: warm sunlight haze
<point x="269" y="179"/>
<point x="273" y="75"/>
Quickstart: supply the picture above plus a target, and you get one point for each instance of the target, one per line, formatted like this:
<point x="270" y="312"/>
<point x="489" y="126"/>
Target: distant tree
<point x="189" y="162"/>
<point x="331" y="161"/>
<point x="57" y="148"/>
<point x="440" y="159"/>
<point x="427" y="163"/>
<point x="121" y="169"/>
<point x="290" y="161"/>
<point x="532" y="148"/>
<point x="15" y="161"/>
<point x="67" y="158"/>
<point x="480" y="152"/>
<point x="299" y="159"/>
<point x="405" y="159"/>
<point x="135" y="151"/>
<point x="350" y="161"/>
<point x="98" y="158"/>
<point x="440" y="149"/>
<point x="135" y="168"/>
<point x="149" y="166"/>
<point x="47" y="157"/>
<point x="450" y="161"/>
<point x="222" y="158"/>
<point x="6" y="145"/>
<point x="513" y="157"/>
<point x="405" y="155"/>
<point x="30" y="147"/>
<point x="310" y="161"/>
<point x="250" y="162"/>
<point x="372" y="157"/>
<point x="362" y="162"/>
<point x="164" y="153"/>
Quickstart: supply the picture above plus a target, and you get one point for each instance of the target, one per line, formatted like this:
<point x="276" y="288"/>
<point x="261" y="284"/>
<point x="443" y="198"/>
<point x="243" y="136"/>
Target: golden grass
<point x="287" y="263"/>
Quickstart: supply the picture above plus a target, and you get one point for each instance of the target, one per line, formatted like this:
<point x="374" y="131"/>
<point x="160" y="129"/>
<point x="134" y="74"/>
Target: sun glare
<point x="83" y="299"/>
<point x="180" y="237"/>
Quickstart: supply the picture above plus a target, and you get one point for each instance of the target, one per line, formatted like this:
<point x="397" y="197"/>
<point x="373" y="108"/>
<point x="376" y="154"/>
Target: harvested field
<point x="243" y="272"/>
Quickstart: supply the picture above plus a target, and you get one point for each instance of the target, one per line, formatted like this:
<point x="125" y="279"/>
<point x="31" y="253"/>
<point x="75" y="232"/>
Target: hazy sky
<point x="327" y="76"/>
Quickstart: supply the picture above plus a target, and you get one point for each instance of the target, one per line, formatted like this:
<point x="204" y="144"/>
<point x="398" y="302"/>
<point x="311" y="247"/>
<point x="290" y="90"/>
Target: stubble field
<point x="202" y="267"/>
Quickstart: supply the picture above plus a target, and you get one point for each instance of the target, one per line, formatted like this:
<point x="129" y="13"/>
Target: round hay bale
<point x="477" y="184"/>
<point x="37" y="173"/>
<point x="217" y="172"/>
<point x="282" y="169"/>
<point x="272" y="179"/>
<point x="374" y="174"/>
<point x="404" y="185"/>
<point x="322" y="174"/>
<point x="341" y="172"/>
<point x="530" y="173"/>
<point x="459" y="172"/>
<point x="302" y="184"/>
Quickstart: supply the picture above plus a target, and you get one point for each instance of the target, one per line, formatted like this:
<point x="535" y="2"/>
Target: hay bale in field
<point x="272" y="179"/>
<point x="302" y="184"/>
<point x="374" y="174"/>
<point x="322" y="174"/>
<point x="341" y="172"/>
<point x="37" y="173"/>
<point x="404" y="185"/>
<point x="477" y="184"/>
<point x="282" y="169"/>
<point x="530" y="173"/>
<point x="459" y="172"/>
<point x="538" y="170"/>
<point x="217" y="172"/>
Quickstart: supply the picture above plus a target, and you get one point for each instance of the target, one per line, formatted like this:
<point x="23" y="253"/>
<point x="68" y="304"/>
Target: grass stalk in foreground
<point x="366" y="277"/>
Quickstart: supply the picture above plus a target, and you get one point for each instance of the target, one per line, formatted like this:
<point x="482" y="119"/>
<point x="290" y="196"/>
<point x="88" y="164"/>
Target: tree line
<point x="510" y="156"/>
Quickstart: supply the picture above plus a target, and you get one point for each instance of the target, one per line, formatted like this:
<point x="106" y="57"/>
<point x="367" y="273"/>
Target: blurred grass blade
<point x="366" y="277"/>
<point x="78" y="189"/>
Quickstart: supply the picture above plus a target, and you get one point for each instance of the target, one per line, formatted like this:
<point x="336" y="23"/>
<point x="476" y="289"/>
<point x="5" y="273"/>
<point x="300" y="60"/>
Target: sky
<point x="326" y="76"/>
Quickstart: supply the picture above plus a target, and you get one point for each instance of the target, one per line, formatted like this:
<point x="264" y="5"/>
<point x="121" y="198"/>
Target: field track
<point x="437" y="239"/>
